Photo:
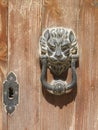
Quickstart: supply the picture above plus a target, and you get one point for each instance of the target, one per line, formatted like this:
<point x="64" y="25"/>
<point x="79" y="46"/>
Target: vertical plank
<point x="87" y="98"/>
<point x="40" y="110"/>
<point x="3" y="57"/>
<point x="58" y="112"/>
<point x="24" y="27"/>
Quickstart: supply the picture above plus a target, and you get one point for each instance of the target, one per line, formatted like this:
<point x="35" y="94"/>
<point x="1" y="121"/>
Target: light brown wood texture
<point x="37" y="109"/>
<point x="87" y="95"/>
<point x="3" y="53"/>
<point x="24" y="27"/>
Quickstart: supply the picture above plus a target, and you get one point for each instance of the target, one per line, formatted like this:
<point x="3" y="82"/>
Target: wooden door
<point x="21" y="24"/>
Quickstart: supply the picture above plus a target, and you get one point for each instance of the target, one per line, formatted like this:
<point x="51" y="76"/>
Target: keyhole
<point x="11" y="93"/>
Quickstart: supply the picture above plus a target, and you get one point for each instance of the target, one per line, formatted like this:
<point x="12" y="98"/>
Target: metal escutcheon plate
<point x="10" y="92"/>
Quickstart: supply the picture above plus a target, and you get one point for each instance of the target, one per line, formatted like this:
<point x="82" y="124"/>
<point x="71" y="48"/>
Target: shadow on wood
<point x="61" y="100"/>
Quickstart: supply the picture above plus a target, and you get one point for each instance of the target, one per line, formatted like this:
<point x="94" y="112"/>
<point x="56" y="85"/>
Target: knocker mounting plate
<point x="58" y="52"/>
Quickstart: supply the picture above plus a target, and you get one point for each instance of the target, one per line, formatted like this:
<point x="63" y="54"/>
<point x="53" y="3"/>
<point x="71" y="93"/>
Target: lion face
<point x="58" y="45"/>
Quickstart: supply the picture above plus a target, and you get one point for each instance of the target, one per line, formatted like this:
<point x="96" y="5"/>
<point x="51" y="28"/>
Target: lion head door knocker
<point x="58" y="52"/>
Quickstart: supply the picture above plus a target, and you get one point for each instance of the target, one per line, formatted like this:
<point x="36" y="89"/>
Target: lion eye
<point x="52" y="48"/>
<point x="64" y="48"/>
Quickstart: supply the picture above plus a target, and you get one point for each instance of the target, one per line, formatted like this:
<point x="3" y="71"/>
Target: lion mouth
<point x="58" y="60"/>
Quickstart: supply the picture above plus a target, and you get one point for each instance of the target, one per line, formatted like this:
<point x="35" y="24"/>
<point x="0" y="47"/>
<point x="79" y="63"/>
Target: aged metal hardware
<point x="10" y="92"/>
<point x="58" y="51"/>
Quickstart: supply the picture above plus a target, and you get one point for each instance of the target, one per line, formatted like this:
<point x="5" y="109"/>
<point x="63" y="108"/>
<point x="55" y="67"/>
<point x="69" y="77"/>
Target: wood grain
<point x="37" y="109"/>
<point x="3" y="57"/>
<point x="23" y="32"/>
<point x="87" y="98"/>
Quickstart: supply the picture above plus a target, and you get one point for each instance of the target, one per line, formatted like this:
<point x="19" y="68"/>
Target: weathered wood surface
<point x="37" y="109"/>
<point x="87" y="95"/>
<point x="3" y="54"/>
<point x="24" y="27"/>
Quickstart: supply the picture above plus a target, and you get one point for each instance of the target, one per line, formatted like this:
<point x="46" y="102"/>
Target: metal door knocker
<point x="58" y="52"/>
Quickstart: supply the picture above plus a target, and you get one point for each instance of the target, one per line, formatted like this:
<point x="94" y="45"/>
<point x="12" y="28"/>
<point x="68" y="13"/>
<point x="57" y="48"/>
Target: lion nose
<point x="58" y="53"/>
